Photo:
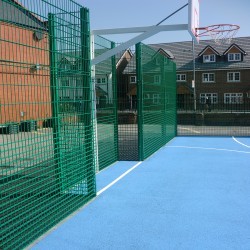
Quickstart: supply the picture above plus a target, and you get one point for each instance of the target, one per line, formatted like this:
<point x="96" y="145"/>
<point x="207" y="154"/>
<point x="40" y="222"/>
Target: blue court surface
<point x="194" y="193"/>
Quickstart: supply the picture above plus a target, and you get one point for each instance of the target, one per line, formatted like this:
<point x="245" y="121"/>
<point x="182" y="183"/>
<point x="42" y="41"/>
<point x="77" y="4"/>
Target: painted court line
<point x="119" y="178"/>
<point x="191" y="130"/>
<point x="217" y="149"/>
<point x="240" y="142"/>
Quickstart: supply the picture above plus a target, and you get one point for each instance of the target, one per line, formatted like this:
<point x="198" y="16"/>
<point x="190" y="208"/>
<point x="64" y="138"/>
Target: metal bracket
<point x="148" y="31"/>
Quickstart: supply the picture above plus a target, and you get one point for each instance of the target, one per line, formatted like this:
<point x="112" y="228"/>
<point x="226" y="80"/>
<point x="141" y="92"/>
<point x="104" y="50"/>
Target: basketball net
<point x="220" y="33"/>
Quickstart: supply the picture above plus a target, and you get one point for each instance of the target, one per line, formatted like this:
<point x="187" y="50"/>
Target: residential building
<point x="221" y="73"/>
<point x="218" y="72"/>
<point x="25" y="74"/>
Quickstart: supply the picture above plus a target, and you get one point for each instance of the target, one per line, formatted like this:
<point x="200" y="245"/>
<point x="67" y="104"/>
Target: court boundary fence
<point x="55" y="132"/>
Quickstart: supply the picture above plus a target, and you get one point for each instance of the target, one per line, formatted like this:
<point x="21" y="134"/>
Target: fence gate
<point x="47" y="168"/>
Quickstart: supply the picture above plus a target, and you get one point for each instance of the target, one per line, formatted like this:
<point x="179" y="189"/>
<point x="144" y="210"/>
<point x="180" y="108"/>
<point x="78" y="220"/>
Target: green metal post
<point x="115" y="100"/>
<point x="139" y="100"/>
<point x="164" y="92"/>
<point x="86" y="72"/>
<point x="54" y="98"/>
<point x="175" y="96"/>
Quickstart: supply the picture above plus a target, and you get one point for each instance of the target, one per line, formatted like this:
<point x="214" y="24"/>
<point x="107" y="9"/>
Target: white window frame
<point x="65" y="90"/>
<point x="157" y="79"/>
<point x="233" y="98"/>
<point x="208" y="77"/>
<point x="134" y="79"/>
<point x="158" y="60"/>
<point x="233" y="74"/>
<point x="209" y="58"/>
<point x="213" y="97"/>
<point x="181" y="77"/>
<point x="156" y="98"/>
<point x="101" y="80"/>
<point x="234" y="57"/>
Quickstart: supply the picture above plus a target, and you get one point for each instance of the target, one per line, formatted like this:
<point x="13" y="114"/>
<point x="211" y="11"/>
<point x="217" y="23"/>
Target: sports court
<point x="109" y="145"/>
<point x="192" y="194"/>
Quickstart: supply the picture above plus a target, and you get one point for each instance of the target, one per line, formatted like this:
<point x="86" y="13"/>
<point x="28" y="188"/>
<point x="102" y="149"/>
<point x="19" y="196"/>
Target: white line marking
<point x="191" y="130"/>
<point x="119" y="178"/>
<point x="218" y="149"/>
<point x="240" y="142"/>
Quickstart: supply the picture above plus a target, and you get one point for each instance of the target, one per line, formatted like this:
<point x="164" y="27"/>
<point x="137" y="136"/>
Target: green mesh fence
<point x="146" y="101"/>
<point x="47" y="168"/>
<point x="156" y="100"/>
<point x="104" y="75"/>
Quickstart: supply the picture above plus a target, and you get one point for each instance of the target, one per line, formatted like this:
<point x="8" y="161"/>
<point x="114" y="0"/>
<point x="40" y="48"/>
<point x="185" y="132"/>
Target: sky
<point x="106" y="14"/>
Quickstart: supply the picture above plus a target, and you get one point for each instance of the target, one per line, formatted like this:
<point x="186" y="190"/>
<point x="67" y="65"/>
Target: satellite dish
<point x="38" y="35"/>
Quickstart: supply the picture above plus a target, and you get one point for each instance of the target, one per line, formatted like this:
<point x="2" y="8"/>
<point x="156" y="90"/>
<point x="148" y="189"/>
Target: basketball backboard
<point x="193" y="18"/>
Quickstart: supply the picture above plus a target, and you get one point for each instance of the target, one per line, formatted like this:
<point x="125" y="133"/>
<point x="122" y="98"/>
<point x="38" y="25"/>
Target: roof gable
<point x="209" y="49"/>
<point x="166" y="53"/>
<point x="14" y="12"/>
<point x="234" y="47"/>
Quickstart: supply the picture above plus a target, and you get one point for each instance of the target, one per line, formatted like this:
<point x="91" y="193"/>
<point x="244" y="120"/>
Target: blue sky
<point x="133" y="13"/>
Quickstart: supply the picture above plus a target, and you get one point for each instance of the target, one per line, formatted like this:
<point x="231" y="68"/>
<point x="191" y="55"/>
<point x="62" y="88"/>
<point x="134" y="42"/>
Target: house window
<point x="233" y="76"/>
<point x="213" y="97"/>
<point x="65" y="82"/>
<point x="234" y="57"/>
<point x="181" y="77"/>
<point x="208" y="77"/>
<point x="158" y="60"/>
<point x="132" y="79"/>
<point x="65" y="90"/>
<point x="209" y="58"/>
<point x="157" y="79"/>
<point x="233" y="98"/>
<point x="101" y="80"/>
<point x="156" y="98"/>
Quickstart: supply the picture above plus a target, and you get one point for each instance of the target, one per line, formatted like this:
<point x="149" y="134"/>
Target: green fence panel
<point x="104" y="75"/>
<point x="156" y="90"/>
<point x="146" y="102"/>
<point x="47" y="168"/>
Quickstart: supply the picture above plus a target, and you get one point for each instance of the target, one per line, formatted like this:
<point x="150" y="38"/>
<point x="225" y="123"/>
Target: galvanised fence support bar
<point x="55" y="98"/>
<point x="138" y="52"/>
<point x="87" y="88"/>
<point x="131" y="30"/>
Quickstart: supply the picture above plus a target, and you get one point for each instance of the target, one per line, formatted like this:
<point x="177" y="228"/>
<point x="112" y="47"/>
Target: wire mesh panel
<point x="127" y="105"/>
<point x="156" y="100"/>
<point x="104" y="75"/>
<point x="146" y="101"/>
<point x="47" y="169"/>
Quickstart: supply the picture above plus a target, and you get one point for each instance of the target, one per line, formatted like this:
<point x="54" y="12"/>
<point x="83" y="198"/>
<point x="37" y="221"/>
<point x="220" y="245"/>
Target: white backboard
<point x="193" y="18"/>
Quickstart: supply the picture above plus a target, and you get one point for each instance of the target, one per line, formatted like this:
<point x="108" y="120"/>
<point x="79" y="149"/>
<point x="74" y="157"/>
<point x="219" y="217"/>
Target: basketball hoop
<point x="220" y="33"/>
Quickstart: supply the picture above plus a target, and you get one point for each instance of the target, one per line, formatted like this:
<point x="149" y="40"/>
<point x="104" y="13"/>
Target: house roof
<point x="237" y="47"/>
<point x="14" y="12"/>
<point x="207" y="48"/>
<point x="184" y="57"/>
<point x="166" y="53"/>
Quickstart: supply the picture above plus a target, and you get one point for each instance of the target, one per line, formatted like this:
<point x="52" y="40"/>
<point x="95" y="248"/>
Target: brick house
<point x="222" y="73"/>
<point x="24" y="56"/>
